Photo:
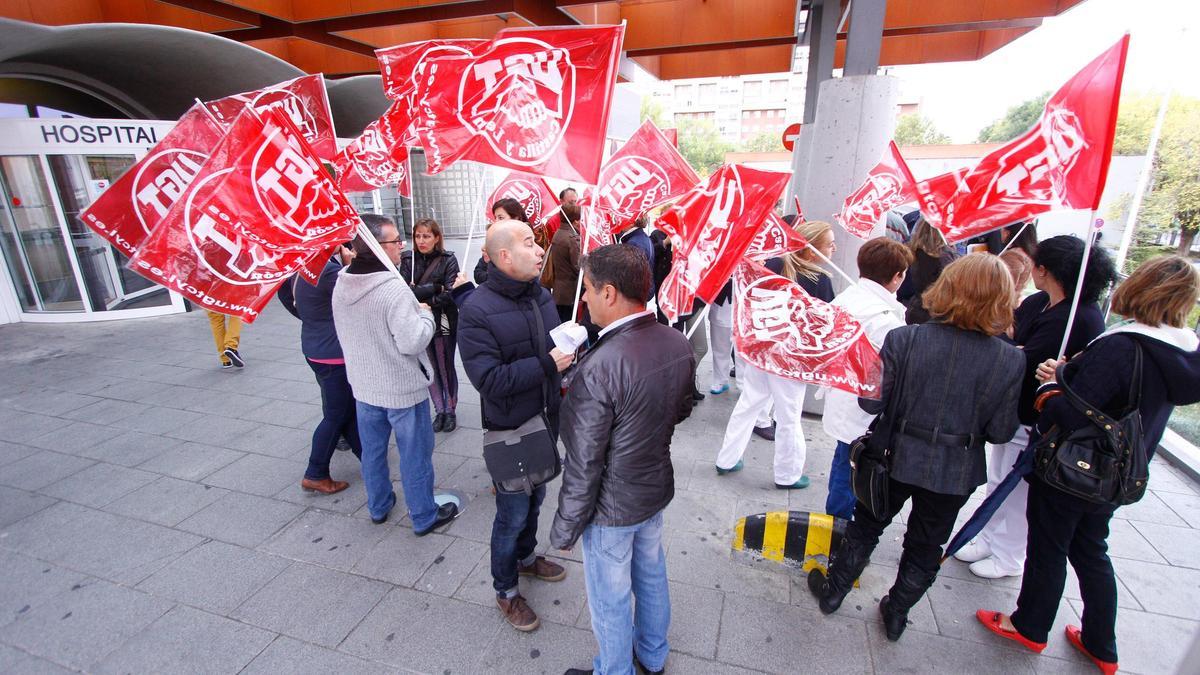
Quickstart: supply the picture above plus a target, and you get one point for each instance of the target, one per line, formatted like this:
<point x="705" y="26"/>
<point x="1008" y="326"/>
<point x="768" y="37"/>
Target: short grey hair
<point x="375" y="224"/>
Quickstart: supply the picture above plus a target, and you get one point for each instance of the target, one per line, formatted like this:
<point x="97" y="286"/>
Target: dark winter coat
<point x="1039" y="332"/>
<point x="431" y="282"/>
<point x="313" y="305"/>
<point x="921" y="274"/>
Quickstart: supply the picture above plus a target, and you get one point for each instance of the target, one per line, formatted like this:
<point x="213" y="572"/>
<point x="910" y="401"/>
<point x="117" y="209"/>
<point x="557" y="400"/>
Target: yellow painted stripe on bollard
<point x="774" y="535"/>
<point x="820" y="533"/>
<point x="739" y="535"/>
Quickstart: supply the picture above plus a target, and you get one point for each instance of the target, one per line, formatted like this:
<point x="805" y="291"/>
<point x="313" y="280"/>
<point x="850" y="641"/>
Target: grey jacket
<point x="956" y="383"/>
<point x="623" y="400"/>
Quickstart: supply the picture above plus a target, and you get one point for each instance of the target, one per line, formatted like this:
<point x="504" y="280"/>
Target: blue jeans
<point x="840" y="501"/>
<point x="620" y="563"/>
<point x="413" y="428"/>
<point x="514" y="536"/>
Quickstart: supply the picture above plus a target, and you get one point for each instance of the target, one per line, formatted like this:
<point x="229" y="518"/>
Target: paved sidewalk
<point x="151" y="521"/>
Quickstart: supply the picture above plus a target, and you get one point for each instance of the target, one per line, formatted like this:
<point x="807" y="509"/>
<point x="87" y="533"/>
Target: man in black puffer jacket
<point x="623" y="401"/>
<point x="499" y="346"/>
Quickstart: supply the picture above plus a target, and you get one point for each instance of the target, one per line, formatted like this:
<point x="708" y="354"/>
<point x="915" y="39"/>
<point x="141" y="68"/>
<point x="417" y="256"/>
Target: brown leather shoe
<point x="518" y="613"/>
<point x="543" y="569"/>
<point x="326" y="486"/>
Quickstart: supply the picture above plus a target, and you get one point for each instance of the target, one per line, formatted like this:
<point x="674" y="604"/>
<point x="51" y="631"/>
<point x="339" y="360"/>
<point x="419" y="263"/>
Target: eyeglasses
<point x="392" y="241"/>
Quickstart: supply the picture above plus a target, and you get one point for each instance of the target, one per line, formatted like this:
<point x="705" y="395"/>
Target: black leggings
<point x="339" y="418"/>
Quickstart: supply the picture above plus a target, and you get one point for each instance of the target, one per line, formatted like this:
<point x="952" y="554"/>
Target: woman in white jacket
<point x="882" y="264"/>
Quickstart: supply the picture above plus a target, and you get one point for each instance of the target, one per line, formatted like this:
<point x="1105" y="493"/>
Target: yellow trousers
<point x="226" y="330"/>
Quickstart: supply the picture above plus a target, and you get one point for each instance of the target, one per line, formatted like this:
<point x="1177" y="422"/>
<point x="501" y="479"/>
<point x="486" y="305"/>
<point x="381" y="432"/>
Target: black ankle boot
<point x="449" y="422"/>
<point x="844" y="567"/>
<point x="911" y="584"/>
<point x="439" y="421"/>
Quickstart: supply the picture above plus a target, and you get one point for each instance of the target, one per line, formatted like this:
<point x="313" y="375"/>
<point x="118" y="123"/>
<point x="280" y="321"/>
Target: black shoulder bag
<point x="525" y="458"/>
<point x="1103" y="462"/>
<point x="870" y="454"/>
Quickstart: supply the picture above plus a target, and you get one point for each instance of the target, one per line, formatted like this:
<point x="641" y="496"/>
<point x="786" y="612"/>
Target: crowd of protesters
<point x="971" y="377"/>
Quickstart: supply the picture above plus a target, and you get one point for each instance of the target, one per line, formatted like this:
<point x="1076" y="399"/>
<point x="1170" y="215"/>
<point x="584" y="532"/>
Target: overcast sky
<point x="1164" y="50"/>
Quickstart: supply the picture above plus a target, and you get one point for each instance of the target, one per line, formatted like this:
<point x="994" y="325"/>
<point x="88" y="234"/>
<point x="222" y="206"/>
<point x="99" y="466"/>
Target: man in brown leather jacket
<point x="623" y="400"/>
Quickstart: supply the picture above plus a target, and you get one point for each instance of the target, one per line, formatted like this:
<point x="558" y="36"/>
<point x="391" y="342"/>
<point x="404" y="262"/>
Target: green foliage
<point x="702" y="146"/>
<point x="916" y="129"/>
<point x="767" y="141"/>
<point x="1173" y="201"/>
<point x="653" y="110"/>
<point x="1016" y="121"/>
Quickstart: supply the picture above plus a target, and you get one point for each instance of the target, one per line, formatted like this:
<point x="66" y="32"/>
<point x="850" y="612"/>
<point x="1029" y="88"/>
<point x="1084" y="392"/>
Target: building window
<point x="708" y="92"/>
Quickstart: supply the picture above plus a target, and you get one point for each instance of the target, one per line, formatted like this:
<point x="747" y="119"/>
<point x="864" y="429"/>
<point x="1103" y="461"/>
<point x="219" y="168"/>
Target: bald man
<point x="518" y="377"/>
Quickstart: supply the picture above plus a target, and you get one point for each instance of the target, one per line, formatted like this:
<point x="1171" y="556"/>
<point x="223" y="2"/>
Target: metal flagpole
<point x="1087" y="253"/>
<point x="700" y="319"/>
<point x="1143" y="182"/>
<point x="1015" y="237"/>
<point x="377" y="249"/>
<point x="829" y="262"/>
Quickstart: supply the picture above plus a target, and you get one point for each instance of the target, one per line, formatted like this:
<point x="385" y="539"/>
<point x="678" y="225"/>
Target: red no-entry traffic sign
<point x="790" y="135"/>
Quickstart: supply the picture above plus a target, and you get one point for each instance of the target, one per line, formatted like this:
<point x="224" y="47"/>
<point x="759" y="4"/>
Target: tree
<point x="917" y="129"/>
<point x="702" y="145"/>
<point x="1016" y="121"/>
<point x="767" y="141"/>
<point x="1173" y="201"/>
<point x="653" y="110"/>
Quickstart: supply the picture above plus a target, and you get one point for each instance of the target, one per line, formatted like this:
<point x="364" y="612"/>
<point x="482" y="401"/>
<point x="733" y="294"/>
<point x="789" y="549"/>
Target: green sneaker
<point x="735" y="467"/>
<point x="798" y="485"/>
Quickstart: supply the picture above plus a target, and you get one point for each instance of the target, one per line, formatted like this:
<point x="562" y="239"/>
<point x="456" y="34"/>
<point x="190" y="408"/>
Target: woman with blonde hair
<point x="1155" y="300"/>
<point x="948" y="387"/>
<point x="803" y="266"/>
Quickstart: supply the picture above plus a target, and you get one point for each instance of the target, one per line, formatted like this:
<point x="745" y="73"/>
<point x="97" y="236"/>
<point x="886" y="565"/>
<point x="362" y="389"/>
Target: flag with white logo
<point x="710" y="228"/>
<point x="1062" y="162"/>
<point x="259" y="210"/>
<point x="645" y="172"/>
<point x="305" y="102"/>
<point x="530" y="191"/>
<point x="378" y="157"/>
<point x="779" y="328"/>
<point x="531" y="99"/>
<point x="130" y="208"/>
<point x="774" y="239"/>
<point x="889" y="184"/>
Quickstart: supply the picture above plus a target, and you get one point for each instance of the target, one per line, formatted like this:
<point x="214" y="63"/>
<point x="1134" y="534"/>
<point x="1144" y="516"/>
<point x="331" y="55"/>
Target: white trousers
<point x="764" y="418"/>
<point x="1006" y="534"/>
<point x="759" y="388"/>
<point x="720" y="337"/>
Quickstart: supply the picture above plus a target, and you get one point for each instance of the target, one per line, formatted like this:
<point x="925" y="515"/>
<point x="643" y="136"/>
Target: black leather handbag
<point x="1103" y="462"/>
<point x="870" y="454"/>
<point x="525" y="458"/>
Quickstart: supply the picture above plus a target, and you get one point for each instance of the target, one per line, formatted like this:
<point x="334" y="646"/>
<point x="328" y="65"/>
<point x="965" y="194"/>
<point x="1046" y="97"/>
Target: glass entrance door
<point x="34" y="249"/>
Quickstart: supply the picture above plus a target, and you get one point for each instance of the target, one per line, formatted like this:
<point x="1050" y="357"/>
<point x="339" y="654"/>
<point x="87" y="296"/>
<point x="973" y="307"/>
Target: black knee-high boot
<point x="911" y="583"/>
<point x="845" y="566"/>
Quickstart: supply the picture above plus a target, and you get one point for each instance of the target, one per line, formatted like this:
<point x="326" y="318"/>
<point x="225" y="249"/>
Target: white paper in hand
<point x="568" y="336"/>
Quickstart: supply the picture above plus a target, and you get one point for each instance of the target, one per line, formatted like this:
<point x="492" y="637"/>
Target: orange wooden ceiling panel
<point x="387" y="36"/>
<point x="149" y="11"/>
<point x="277" y="47"/>
<point x="686" y="22"/>
<point x="280" y="9"/>
<point x="317" y="58"/>
<point x="308" y="10"/>
<point x="902" y="13"/>
<point x="938" y="47"/>
<point x="600" y="13"/>
<point x="719" y="63"/>
<point x="56" y="13"/>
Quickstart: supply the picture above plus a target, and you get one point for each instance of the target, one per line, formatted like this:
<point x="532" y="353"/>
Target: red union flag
<point x="711" y="228"/>
<point x="531" y="99"/>
<point x="378" y="157"/>
<point x="647" y="171"/>
<point x="888" y="185"/>
<point x="672" y="135"/>
<point x="783" y="330"/>
<point x="1062" y="162"/>
<point x="130" y="208"/>
<point x="405" y="77"/>
<point x="531" y="191"/>
<point x="258" y="211"/>
<point x="774" y="239"/>
<point x="594" y="230"/>
<point x="935" y="196"/>
<point x="303" y="100"/>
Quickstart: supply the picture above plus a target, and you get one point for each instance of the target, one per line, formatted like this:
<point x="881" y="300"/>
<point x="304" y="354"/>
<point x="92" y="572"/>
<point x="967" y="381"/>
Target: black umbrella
<point x="974" y="525"/>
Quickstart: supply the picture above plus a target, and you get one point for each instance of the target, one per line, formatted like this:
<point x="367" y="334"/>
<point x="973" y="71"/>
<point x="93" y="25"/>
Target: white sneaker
<point x="988" y="568"/>
<point x="974" y="551"/>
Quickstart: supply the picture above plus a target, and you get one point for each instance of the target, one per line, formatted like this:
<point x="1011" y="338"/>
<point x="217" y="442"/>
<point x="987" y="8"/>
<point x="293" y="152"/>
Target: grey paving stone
<point x="40" y="469"/>
<point x="1184" y="506"/>
<point x="98" y="543"/>
<point x="685" y="663"/>
<point x="135" y="390"/>
<point x="1146" y="643"/>
<point x="292" y="414"/>
<point x="701" y="512"/>
<point x="213" y="430"/>
<point x="1166" y="478"/>
<point x="273" y="440"/>
<point x="1162" y="589"/>
<point x="16" y="504"/>
<point x="327" y="539"/>
<point x="256" y="474"/>
<point x="106" y="411"/>
<point x="286" y="655"/>
<point x="215" y="576"/>
<point x="449" y="570"/>
<point x="749" y="483"/>
<point x="401" y="558"/>
<point x="560" y="601"/>
<point x="23" y="427"/>
<point x="11" y="452"/>
<point x="777" y="638"/>
<point x="1153" y="509"/>
<point x="187" y="640"/>
<point x="98" y="484"/>
<point x="81" y="626"/>
<point x="72" y="437"/>
<point x="475" y="523"/>
<point x="160" y="420"/>
<point x="863" y="601"/>
<point x="695" y="619"/>
<point x="189" y="461"/>
<point x="237" y="518"/>
<point x="703" y="560"/>
<point x="552" y="648"/>
<point x="343" y="467"/>
<point x="1180" y="546"/>
<point x="312" y="603"/>
<point x="27" y="583"/>
<point x="49" y="402"/>
<point x="470" y="477"/>
<point x="166" y="501"/>
<point x="411" y="629"/>
<point x="130" y="448"/>
<point x="920" y="653"/>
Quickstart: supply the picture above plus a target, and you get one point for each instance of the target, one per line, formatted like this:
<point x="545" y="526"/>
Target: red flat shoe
<point x="1074" y="636"/>
<point x="991" y="621"/>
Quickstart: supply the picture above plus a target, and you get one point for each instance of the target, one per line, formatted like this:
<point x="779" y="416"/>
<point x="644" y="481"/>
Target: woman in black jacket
<point x="948" y="387"/>
<point x="931" y="254"/>
<point x="1156" y="299"/>
<point x="1038" y="328"/>
<point x="431" y="270"/>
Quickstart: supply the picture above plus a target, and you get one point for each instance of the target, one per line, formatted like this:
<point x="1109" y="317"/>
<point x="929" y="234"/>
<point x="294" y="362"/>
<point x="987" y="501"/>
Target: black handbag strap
<point x="889" y="414"/>
<point x="1094" y="413"/>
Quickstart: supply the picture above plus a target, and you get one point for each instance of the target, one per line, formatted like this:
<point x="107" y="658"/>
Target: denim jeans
<point x="413" y="428"/>
<point x="339" y="418"/>
<point x="514" y="536"/>
<point x="620" y="563"/>
<point x="840" y="501"/>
